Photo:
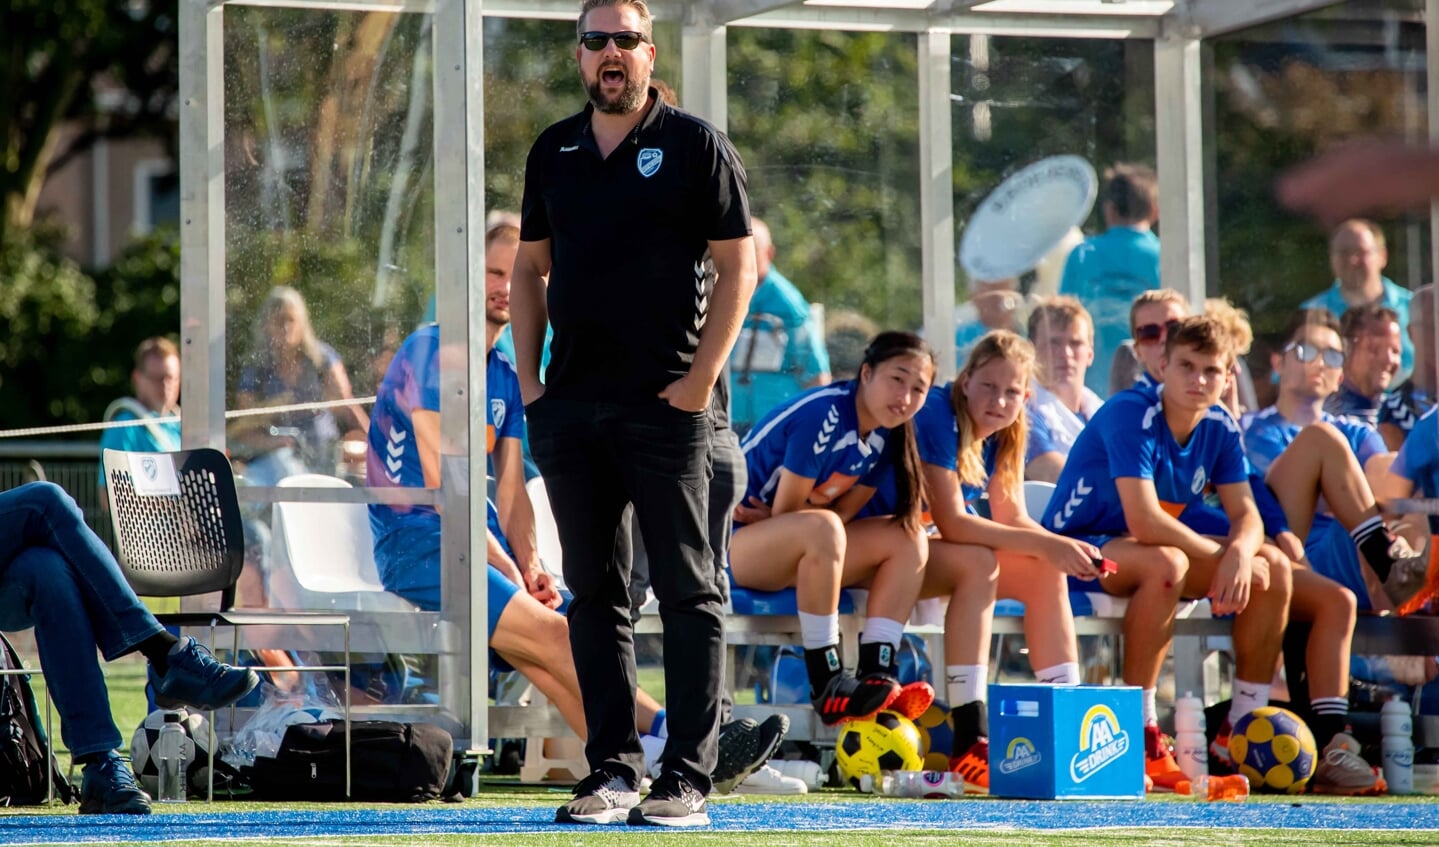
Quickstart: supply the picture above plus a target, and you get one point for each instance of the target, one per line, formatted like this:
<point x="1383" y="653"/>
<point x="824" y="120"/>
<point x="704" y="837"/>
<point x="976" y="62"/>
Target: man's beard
<point x="498" y="317"/>
<point x="631" y="97"/>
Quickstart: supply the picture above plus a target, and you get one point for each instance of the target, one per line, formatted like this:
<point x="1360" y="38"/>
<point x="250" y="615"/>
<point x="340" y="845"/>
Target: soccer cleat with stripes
<point x="973" y="766"/>
<point x="845" y="698"/>
<point x="1343" y="772"/>
<point x="914" y="699"/>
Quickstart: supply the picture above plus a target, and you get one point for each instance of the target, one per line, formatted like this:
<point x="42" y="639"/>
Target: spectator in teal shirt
<point x="156" y="380"/>
<point x="1358" y="254"/>
<point x="1108" y="271"/>
<point x="780" y="351"/>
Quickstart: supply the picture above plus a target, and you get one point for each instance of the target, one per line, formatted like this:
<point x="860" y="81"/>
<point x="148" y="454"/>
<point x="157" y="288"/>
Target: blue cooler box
<point x="1051" y="742"/>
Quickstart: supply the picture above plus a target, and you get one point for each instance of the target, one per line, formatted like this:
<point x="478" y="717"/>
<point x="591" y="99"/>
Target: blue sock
<point x="657" y="726"/>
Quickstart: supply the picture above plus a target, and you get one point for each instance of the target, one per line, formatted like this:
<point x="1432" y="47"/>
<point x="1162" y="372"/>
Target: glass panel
<point x="827" y="124"/>
<point x="1283" y="92"/>
<point x="1017" y="101"/>
<point x="329" y="219"/>
<point x="329" y="213"/>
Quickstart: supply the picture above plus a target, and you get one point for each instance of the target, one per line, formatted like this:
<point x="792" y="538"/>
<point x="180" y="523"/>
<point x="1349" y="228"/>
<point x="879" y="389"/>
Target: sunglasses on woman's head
<point x="1306" y="353"/>
<point x="596" y="41"/>
<point x="1154" y="333"/>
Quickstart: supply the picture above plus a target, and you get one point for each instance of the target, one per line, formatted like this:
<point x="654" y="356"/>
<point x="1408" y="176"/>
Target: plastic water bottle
<point x="1191" y="747"/>
<point x="933" y="785"/>
<point x="1234" y="789"/>
<point x="1396" y="723"/>
<point x="810" y="773"/>
<point x="169" y="754"/>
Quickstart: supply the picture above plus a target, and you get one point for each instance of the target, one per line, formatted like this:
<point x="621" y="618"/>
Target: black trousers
<point x="598" y="458"/>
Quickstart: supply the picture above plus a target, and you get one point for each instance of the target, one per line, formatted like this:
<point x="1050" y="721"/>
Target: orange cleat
<point x="1162" y="772"/>
<point x="914" y="699"/>
<point x="1430" y="589"/>
<point x="973" y="766"/>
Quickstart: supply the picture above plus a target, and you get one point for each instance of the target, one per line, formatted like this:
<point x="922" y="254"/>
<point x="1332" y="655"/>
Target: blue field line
<point x="746" y="817"/>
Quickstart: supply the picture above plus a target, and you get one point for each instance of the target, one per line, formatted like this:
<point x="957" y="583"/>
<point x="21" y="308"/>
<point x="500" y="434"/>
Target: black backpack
<point x="25" y="754"/>
<point x="393" y="763"/>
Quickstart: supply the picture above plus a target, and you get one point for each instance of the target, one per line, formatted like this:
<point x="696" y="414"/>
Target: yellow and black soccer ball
<point x="1275" y="749"/>
<point x="889" y="742"/>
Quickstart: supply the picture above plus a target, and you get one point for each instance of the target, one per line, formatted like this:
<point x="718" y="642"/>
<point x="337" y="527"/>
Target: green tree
<point x="106" y="68"/>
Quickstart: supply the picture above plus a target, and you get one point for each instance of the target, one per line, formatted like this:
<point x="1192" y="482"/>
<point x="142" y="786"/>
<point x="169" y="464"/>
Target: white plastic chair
<point x="1036" y="497"/>
<point x="323" y="554"/>
<point x="547" y="534"/>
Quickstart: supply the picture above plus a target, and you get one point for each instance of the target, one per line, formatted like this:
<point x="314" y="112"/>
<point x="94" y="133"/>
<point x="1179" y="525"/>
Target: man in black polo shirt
<point x="626" y="205"/>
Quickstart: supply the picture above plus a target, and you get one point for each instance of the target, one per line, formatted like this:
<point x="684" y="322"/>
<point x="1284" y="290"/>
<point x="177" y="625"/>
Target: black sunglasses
<point x="1307" y="352"/>
<point x="1152" y="333"/>
<point x="596" y="41"/>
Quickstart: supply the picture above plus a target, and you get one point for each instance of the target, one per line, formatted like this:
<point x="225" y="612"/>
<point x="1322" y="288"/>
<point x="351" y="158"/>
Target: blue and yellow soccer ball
<point x="936" y="736"/>
<point x="1275" y="749"/>
<point x="889" y="742"/>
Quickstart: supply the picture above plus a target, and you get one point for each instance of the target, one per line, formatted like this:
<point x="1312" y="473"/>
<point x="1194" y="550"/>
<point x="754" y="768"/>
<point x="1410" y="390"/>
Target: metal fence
<point x="72" y="465"/>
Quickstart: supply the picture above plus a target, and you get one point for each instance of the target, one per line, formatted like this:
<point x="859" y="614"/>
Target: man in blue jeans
<point x="57" y="576"/>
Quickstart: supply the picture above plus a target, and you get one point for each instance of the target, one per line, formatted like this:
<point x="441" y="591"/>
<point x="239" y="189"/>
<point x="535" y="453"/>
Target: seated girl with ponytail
<point x="813" y="463"/>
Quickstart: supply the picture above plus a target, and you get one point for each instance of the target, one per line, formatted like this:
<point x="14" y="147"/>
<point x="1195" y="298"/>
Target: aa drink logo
<point x="1101" y="741"/>
<point x="1019" y="755"/>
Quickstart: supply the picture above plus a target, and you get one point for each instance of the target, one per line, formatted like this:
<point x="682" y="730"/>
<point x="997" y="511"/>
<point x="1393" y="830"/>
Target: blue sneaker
<point x="197" y="680"/>
<point x="109" y="788"/>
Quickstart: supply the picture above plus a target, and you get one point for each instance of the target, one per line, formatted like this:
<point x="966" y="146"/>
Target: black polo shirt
<point x="630" y="273"/>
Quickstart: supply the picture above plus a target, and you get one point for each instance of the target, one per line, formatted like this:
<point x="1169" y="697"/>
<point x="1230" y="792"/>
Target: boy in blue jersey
<point x="1146" y="456"/>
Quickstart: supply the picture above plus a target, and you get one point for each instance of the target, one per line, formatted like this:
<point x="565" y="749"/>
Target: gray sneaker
<point x="1344" y="772"/>
<point x="672" y="802"/>
<point x="600" y="798"/>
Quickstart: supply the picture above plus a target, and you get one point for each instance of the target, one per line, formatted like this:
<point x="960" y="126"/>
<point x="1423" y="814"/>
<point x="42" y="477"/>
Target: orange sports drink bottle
<point x="1232" y="788"/>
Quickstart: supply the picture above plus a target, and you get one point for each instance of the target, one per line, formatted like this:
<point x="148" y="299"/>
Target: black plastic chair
<point x="178" y="533"/>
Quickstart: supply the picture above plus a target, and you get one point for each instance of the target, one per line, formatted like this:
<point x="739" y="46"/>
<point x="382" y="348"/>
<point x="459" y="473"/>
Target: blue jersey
<point x="1270" y="433"/>
<point x="1404" y="406"/>
<point x="1418" y="459"/>
<point x="1349" y="404"/>
<point x="937" y="438"/>
<point x="814" y="435"/>
<point x="1130" y="438"/>
<point x="412" y="383"/>
<point x="506" y="409"/>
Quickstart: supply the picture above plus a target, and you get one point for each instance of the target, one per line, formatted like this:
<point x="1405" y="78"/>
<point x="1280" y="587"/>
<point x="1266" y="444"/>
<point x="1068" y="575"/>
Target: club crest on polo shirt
<point x="649" y="161"/>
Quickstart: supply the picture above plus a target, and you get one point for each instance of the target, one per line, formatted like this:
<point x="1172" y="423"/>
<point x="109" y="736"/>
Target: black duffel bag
<point x="393" y="763"/>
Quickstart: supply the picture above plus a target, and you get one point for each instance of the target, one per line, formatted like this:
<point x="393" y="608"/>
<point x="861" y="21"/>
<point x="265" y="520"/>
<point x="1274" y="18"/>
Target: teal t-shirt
<point x="1106" y="273"/>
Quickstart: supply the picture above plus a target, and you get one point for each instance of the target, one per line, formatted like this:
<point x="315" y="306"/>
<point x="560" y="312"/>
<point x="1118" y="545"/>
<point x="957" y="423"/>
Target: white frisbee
<point x="1026" y="216"/>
